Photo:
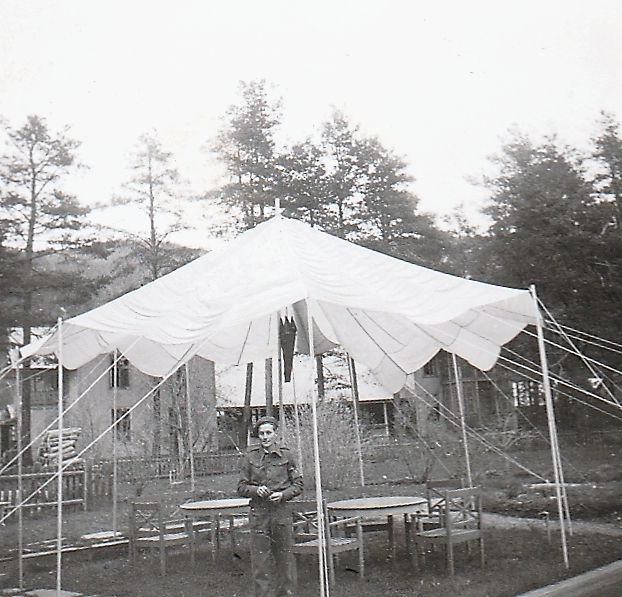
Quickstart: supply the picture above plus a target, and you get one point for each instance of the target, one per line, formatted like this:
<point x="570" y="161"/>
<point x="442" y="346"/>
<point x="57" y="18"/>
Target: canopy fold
<point x="391" y="315"/>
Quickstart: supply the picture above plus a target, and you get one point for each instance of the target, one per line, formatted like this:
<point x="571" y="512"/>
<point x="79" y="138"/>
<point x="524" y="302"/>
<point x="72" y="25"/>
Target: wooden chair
<point x="306" y="535"/>
<point x="461" y="523"/>
<point x="149" y="528"/>
<point x="436" y="502"/>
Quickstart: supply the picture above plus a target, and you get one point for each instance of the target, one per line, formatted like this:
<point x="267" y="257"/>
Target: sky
<point x="440" y="83"/>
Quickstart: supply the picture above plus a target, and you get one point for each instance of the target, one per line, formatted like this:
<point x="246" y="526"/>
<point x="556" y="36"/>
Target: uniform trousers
<point x="272" y="560"/>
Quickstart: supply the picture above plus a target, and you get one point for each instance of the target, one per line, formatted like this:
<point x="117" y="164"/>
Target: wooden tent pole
<point x="59" y="457"/>
<point x="297" y="422"/>
<point x="269" y="387"/>
<point x="458" y="379"/>
<point x="248" y="392"/>
<point x="115" y="418"/>
<point x="550" y="415"/>
<point x="355" y="400"/>
<point x="20" y="476"/>
<point x="189" y="423"/>
<point x="279" y="372"/>
<point x="322" y="555"/>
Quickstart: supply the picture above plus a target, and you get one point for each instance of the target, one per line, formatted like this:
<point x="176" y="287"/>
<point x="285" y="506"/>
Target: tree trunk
<point x="269" y="389"/>
<point x="320" y="377"/>
<point x="27" y="391"/>
<point x="157" y="425"/>
<point x="246" y="418"/>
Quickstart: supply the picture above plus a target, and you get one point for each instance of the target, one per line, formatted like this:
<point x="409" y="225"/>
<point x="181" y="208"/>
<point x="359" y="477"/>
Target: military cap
<point x="263" y="420"/>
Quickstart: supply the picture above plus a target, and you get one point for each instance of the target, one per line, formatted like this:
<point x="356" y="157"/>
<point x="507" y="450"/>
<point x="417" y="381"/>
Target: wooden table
<point x="214" y="509"/>
<point x="388" y="506"/>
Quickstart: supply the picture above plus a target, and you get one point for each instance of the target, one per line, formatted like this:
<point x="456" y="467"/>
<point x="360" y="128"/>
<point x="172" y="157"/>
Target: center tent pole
<point x="59" y="518"/>
<point x="324" y="584"/>
<point x="279" y="372"/>
<point x="458" y="379"/>
<point x="550" y="415"/>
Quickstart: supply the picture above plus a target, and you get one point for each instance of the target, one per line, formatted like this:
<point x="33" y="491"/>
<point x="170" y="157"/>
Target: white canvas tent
<point x="390" y="315"/>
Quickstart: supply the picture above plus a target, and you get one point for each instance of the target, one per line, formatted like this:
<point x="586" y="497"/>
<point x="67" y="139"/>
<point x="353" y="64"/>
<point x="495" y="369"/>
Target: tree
<point x="152" y="188"/>
<point x="346" y="183"/>
<point x="390" y="220"/>
<point x="608" y="191"/>
<point x="466" y="244"/>
<point x="547" y="231"/>
<point x="40" y="221"/>
<point x="305" y="191"/>
<point x="246" y="147"/>
<point x="608" y="183"/>
<point x="9" y="282"/>
<point x="341" y="148"/>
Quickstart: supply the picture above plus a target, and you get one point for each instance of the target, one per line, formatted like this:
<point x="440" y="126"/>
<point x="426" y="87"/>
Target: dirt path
<point x="500" y="521"/>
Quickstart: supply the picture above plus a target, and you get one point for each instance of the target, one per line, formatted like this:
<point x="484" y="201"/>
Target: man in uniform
<point x="269" y="477"/>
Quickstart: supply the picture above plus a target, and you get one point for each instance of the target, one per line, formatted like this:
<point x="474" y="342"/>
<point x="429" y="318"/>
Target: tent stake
<point x="550" y="414"/>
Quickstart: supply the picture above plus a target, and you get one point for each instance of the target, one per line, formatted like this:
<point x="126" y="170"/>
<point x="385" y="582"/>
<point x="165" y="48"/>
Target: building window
<point x="121" y="420"/>
<point x="119" y="373"/>
<point x="430" y="369"/>
<point x="44" y="388"/>
<point x="527" y="393"/>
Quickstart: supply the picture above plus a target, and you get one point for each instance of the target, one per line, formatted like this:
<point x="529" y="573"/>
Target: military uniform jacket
<point x="275" y="469"/>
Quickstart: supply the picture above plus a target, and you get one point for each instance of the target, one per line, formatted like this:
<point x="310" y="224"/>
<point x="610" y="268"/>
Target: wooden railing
<point x="40" y="491"/>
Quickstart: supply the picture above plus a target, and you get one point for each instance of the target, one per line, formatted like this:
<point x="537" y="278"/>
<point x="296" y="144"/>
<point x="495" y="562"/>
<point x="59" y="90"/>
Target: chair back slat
<point x="460" y="522"/>
<point x="463" y="508"/>
<point x="307" y="536"/>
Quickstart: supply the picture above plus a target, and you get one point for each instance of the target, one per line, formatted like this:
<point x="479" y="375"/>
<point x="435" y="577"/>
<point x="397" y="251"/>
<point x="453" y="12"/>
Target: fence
<point x="94" y="483"/>
<point x="41" y="493"/>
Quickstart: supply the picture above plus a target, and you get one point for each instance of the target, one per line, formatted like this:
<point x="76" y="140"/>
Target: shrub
<point x="337" y="443"/>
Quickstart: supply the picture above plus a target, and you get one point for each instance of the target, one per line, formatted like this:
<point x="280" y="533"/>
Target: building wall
<point x="94" y="411"/>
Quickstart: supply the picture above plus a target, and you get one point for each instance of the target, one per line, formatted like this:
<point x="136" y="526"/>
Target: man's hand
<point x="263" y="491"/>
<point x="276" y="497"/>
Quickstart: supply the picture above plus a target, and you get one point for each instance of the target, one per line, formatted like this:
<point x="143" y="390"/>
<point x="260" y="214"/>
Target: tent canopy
<point x="391" y="315"/>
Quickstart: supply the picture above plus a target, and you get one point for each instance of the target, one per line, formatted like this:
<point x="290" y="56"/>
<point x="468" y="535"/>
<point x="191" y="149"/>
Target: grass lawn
<point x="519" y="558"/>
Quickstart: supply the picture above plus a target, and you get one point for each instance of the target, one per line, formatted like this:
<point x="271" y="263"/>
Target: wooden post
<point x="269" y="388"/>
<point x="279" y="373"/>
<point x="59" y="517"/>
<point x="189" y="423"/>
<point x="20" y="478"/>
<point x="322" y="530"/>
<point x="355" y="401"/>
<point x="550" y="415"/>
<point x="115" y="394"/>
<point x="246" y="418"/>
<point x="462" y="418"/>
<point x="320" y="377"/>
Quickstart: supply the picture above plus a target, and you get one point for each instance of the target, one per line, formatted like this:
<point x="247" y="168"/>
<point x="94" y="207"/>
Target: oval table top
<point x="385" y="504"/>
<point x="216" y="505"/>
